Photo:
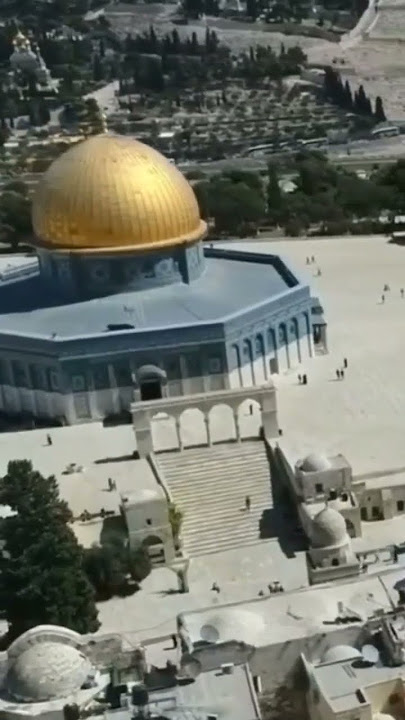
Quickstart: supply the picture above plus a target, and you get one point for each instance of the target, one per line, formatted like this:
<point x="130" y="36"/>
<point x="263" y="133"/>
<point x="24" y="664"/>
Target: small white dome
<point x="47" y="671"/>
<point x="339" y="653"/>
<point x="315" y="462"/>
<point x="328" y="529"/>
<point x="240" y="625"/>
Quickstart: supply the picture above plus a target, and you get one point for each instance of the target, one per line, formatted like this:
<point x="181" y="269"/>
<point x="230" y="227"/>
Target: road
<point x="363" y="155"/>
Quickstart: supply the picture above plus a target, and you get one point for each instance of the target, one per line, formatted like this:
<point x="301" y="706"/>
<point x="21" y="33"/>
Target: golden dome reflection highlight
<point x="114" y="193"/>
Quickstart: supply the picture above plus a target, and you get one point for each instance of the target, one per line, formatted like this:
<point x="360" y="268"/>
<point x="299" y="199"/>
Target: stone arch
<point x="155" y="548"/>
<point x="150" y="382"/>
<point x="235" y="366"/>
<point x="308" y="331"/>
<point x="272" y="350"/>
<point x="295" y="348"/>
<point x="199" y="425"/>
<point x="284" y="355"/>
<point x="249" y="417"/>
<point x="260" y="360"/>
<point x="247" y="363"/>
<point x="152" y="540"/>
<point x="222" y="422"/>
<point x="161" y="423"/>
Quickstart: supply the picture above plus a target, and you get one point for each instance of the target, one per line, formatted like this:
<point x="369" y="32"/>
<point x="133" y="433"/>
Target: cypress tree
<point x="379" y="110"/>
<point x="42" y="575"/>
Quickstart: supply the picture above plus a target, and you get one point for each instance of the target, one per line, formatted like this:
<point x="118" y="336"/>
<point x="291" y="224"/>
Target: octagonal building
<point x="124" y="293"/>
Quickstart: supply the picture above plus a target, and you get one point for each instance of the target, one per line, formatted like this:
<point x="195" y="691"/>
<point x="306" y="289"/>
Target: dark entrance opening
<point x="151" y="389"/>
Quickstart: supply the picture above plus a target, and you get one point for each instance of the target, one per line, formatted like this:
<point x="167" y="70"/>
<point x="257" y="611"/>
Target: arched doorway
<point x="260" y="360"/>
<point x="272" y="351"/>
<point x="151" y="380"/>
<point x="247" y="364"/>
<point x="155" y="549"/>
<point x="295" y="343"/>
<point x="284" y="355"/>
<point x="235" y="367"/>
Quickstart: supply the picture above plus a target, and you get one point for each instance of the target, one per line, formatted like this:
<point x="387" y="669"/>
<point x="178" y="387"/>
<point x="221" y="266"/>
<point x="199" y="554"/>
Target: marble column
<point x="178" y="432"/>
<point x="237" y="426"/>
<point x="208" y="430"/>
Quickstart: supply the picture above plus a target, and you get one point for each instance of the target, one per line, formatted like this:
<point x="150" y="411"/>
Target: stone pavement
<point x="362" y="416"/>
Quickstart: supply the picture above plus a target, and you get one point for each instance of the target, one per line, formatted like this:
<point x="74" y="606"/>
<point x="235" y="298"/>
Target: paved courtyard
<point x="360" y="417"/>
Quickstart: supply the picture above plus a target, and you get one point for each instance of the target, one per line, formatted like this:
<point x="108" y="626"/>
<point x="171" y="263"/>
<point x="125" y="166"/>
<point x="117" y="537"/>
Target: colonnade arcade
<point x="272" y="349"/>
<point x="263" y="396"/>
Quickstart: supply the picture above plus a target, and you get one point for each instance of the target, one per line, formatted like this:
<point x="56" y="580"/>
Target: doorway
<point x="151" y="383"/>
<point x="273" y="366"/>
<point x="151" y="389"/>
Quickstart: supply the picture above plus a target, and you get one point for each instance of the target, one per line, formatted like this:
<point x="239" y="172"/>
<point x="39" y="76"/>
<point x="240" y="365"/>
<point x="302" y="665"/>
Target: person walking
<point x="382" y="299"/>
<point x="342" y="374"/>
<point x="338" y="374"/>
<point x="247" y="502"/>
<point x="345" y="363"/>
<point x="402" y="293"/>
<point x="174" y="641"/>
<point x="49" y="440"/>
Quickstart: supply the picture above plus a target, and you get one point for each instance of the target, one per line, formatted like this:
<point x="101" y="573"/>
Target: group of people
<point x="340" y="373"/>
<point x="386" y="289"/>
<point x="311" y="261"/>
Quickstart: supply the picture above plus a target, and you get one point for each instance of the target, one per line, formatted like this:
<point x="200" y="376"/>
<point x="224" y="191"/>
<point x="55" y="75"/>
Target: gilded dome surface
<point x="111" y="192"/>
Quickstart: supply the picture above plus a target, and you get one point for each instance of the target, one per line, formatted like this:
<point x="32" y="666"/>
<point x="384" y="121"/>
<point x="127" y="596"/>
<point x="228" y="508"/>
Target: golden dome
<point x="112" y="192"/>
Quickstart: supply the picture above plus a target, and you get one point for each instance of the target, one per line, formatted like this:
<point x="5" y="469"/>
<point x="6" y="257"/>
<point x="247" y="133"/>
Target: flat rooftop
<point x="341" y="682"/>
<point x="227" y="287"/>
<point x="289" y="616"/>
<point x="82" y="460"/>
<point x="229" y="697"/>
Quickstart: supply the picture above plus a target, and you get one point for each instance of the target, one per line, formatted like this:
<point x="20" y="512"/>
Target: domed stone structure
<point x="125" y="295"/>
<point x="46" y="663"/>
<point x="115" y="193"/>
<point x="328" y="529"/>
<point x="47" y="671"/>
<point x="340" y="653"/>
<point x="233" y="624"/>
<point x="315" y="462"/>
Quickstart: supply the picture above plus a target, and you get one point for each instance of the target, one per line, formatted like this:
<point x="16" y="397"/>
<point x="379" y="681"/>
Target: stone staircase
<point x="210" y="485"/>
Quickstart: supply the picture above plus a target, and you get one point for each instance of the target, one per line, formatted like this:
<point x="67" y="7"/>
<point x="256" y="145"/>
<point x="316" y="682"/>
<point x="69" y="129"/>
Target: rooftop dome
<point x="339" y="653"/>
<point x="315" y="462"/>
<point x="233" y="624"/>
<point x="114" y="193"/>
<point x="328" y="529"/>
<point x="47" y="671"/>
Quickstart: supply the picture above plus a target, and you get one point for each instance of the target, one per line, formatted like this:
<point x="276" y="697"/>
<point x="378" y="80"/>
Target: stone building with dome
<point x="46" y="669"/>
<point x="125" y="294"/>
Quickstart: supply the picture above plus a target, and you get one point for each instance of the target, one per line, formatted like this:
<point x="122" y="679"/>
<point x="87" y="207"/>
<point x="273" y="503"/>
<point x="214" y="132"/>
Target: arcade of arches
<point x="264" y="397"/>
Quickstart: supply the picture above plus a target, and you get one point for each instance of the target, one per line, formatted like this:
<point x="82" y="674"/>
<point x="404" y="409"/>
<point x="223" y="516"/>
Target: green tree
<point x="42" y="577"/>
<point x="379" y="113"/>
<point x="115" y="569"/>
<point x="235" y="206"/>
<point x="15" y="212"/>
